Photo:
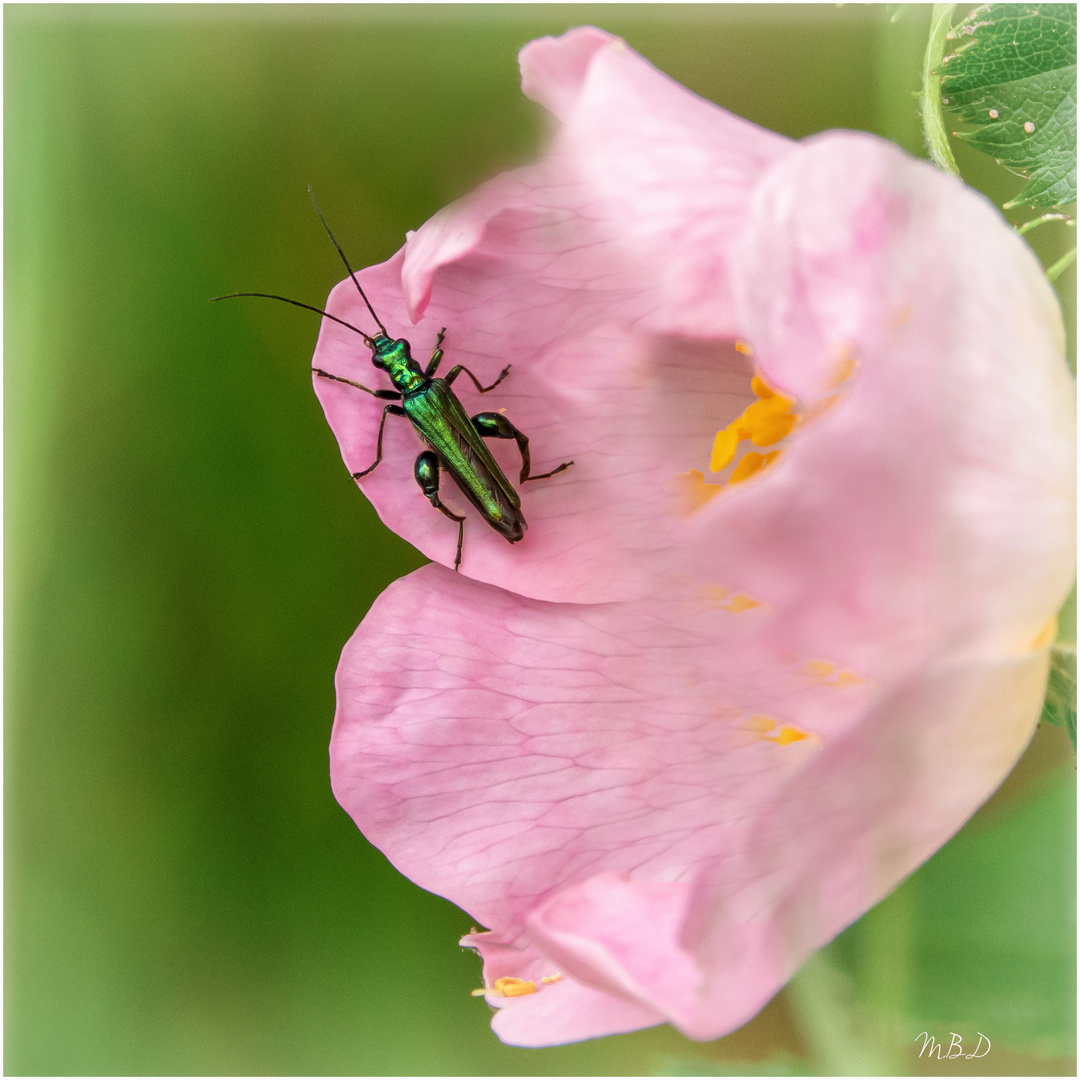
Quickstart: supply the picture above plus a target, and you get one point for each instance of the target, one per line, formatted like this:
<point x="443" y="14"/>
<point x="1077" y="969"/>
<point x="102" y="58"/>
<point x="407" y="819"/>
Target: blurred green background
<point x="186" y="557"/>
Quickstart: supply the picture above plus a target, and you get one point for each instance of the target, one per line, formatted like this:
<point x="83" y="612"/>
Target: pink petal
<point x="740" y="725"/>
<point x="948" y="459"/>
<point x="639" y="200"/>
<point x="554" y="69"/>
<point x="595" y="930"/>
<point x="537" y="268"/>
<point x="561" y="1011"/>
<point x="504" y="751"/>
<point x="631" y="412"/>
<point x="677" y="173"/>
<point x="498" y="748"/>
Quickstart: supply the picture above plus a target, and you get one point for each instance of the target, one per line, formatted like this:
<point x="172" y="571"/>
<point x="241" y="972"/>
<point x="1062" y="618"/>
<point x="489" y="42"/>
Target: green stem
<point x="1055" y="271"/>
<point x="839" y="1040"/>
<point x="930" y="100"/>
<point x="885" y="967"/>
<point x="1034" y="223"/>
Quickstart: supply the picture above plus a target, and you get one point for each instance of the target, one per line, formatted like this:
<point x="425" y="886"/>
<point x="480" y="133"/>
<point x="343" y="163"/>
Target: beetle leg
<point x="457" y="369"/>
<point x="390" y="410"/>
<point x="436" y="356"/>
<point x="493" y="425"/>
<point x="393" y="395"/>
<point x="426" y="471"/>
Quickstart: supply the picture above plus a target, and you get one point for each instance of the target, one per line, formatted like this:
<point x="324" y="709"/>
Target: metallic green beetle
<point x="456" y="440"/>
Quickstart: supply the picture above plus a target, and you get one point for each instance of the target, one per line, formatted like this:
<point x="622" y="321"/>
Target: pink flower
<point x="783" y="626"/>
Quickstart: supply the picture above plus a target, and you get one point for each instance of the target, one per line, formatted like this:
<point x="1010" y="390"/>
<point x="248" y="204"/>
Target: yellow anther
<point x="507" y="986"/>
<point x="744" y="347"/>
<point x="691" y="492"/>
<point x="551" y="978"/>
<point x="751" y="463"/>
<point x="818" y="669"/>
<point x="739" y="602"/>
<point x="724" y="446"/>
<point x="787" y="735"/>
<point x="768" y="421"/>
<point x="764" y="391"/>
<point x="761" y="388"/>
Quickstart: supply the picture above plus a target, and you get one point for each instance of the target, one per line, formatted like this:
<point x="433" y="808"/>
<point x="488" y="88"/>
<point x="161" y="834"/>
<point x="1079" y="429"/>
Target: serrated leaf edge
<point x="969" y="27"/>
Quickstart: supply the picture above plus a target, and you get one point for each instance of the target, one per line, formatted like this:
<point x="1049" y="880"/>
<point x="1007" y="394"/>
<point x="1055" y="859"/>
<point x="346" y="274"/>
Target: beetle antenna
<point x="296" y="303"/>
<point x="363" y="295"/>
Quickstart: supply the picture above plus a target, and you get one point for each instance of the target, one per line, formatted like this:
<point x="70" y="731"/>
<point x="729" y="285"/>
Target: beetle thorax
<point x="394" y="357"/>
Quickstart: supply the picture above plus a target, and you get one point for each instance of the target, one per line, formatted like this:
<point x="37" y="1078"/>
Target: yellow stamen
<point x="768" y="421"/>
<point x="507" y="986"/>
<point x="751" y="463"/>
<point x="818" y="668"/>
<point x="764" y="391"/>
<point x="744" y="347"/>
<point x="765" y="422"/>
<point x="761" y="388"/>
<point x="741" y="602"/>
<point x="787" y="735"/>
<point x="691" y="492"/>
<point x="724" y="446"/>
<point x="551" y="978"/>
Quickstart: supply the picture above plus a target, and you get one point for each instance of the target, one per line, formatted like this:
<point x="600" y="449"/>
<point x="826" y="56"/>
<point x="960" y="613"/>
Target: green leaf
<point x="1059" y="708"/>
<point x="995" y="928"/>
<point x="1014" y="79"/>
